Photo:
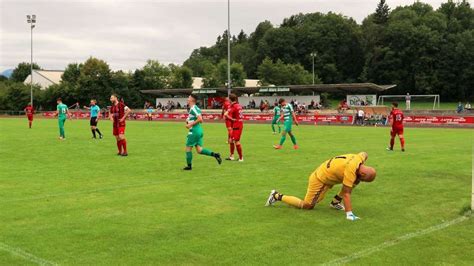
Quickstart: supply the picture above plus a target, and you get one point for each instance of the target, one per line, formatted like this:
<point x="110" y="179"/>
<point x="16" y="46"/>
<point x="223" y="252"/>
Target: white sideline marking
<point x="397" y="240"/>
<point x="25" y="255"/>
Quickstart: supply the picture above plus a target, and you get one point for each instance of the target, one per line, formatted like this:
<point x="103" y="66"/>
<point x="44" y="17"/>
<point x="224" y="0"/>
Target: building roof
<point x="361" y="88"/>
<point x="53" y="76"/>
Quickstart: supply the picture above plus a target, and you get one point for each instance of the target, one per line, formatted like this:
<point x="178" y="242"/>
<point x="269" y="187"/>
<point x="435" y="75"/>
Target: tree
<point x="181" y="77"/>
<point x="155" y="75"/>
<point x="382" y="13"/>
<point x="94" y="82"/>
<point x="279" y="73"/>
<point x="71" y="73"/>
<point x="22" y="71"/>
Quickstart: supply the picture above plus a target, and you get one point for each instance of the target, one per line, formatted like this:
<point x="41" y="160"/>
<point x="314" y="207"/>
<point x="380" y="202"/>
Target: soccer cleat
<point x="389" y="149"/>
<point x="218" y="158"/>
<point x="337" y="206"/>
<point x="277" y="147"/>
<point x="101" y="137"/>
<point x="187" y="168"/>
<point x="124" y="154"/>
<point x="119" y="154"/>
<point x="296" y="147"/>
<point x="241" y="160"/>
<point x="271" y="199"/>
<point x="274" y="133"/>
<point x="403" y="150"/>
<point x="230" y="158"/>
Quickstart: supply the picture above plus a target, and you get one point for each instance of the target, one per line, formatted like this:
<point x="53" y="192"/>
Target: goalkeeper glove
<point x="351" y="216"/>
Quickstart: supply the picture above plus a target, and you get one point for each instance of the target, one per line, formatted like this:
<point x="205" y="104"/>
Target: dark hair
<point x="233" y="97"/>
<point x="194" y="96"/>
<point x="59" y="99"/>
<point x="281" y="100"/>
<point x="395" y="104"/>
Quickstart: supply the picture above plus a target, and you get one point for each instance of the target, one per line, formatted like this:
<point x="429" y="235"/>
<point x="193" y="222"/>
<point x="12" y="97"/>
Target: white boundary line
<point x="397" y="240"/>
<point x="25" y="255"/>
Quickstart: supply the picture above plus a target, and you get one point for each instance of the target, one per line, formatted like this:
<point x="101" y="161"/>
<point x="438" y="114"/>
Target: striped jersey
<point x="287" y="112"/>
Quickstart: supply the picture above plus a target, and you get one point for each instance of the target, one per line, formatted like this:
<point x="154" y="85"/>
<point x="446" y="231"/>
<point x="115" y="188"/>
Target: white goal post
<point x="435" y="97"/>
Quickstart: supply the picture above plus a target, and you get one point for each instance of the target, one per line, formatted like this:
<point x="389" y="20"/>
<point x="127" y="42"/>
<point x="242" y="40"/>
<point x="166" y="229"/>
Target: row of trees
<point x="420" y="49"/>
<point x="92" y="79"/>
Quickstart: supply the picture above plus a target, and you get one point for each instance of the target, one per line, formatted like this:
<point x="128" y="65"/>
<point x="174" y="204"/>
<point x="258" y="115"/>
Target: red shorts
<point x="236" y="133"/>
<point x="30" y="117"/>
<point x="228" y="123"/>
<point x="119" y="131"/>
<point x="396" y="131"/>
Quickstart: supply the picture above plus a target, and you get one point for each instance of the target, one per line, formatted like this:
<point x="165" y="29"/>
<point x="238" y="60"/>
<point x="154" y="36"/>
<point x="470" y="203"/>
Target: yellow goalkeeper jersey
<point x="340" y="169"/>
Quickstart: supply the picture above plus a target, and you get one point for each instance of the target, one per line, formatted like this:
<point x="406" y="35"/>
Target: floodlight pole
<point x="229" y="86"/>
<point x="31" y="20"/>
<point x="313" y="55"/>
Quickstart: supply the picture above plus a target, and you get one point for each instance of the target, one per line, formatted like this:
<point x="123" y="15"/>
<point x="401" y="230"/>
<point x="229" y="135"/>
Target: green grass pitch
<point x="76" y="202"/>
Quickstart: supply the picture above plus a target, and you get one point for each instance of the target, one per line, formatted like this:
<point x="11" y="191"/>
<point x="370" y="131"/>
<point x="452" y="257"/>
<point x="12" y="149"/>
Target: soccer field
<point x="76" y="202"/>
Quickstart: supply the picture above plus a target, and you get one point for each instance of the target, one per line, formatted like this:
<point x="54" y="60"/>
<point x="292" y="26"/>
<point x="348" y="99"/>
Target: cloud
<point x="127" y="33"/>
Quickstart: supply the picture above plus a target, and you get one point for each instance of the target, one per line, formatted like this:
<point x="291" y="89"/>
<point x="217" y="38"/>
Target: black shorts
<point x="93" y="121"/>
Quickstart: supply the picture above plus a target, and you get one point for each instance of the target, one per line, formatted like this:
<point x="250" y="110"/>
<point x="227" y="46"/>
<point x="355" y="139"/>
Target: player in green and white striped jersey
<point x="287" y="114"/>
<point x="196" y="134"/>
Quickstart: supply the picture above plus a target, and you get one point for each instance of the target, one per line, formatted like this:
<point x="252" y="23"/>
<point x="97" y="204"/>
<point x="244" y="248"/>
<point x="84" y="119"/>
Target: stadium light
<point x="31" y="19"/>
<point x="229" y="85"/>
<point x="313" y="55"/>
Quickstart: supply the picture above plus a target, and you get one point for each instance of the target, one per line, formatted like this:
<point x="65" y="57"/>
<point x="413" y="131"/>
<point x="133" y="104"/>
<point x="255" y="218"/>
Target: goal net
<point x="411" y="102"/>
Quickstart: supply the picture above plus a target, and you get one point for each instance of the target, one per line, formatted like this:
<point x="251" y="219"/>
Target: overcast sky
<point x="127" y="33"/>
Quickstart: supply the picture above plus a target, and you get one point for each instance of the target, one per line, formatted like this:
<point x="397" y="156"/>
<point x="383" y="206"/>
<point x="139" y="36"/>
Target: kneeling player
<point x="348" y="169"/>
<point x="118" y="113"/>
<point x="235" y="115"/>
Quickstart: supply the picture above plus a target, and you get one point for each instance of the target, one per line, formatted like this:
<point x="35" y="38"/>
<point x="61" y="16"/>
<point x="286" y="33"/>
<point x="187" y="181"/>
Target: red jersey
<point x="225" y="107"/>
<point x="29" y="110"/>
<point x="397" y="118"/>
<point x="118" y="112"/>
<point x="235" y="112"/>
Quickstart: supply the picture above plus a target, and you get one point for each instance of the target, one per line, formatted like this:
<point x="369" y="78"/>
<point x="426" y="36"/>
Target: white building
<point x="45" y="78"/>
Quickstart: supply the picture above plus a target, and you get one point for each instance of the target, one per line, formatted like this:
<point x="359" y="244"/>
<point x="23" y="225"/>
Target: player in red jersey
<point x="396" y="115"/>
<point x="228" y="122"/>
<point x="29" y="111"/>
<point x="118" y="113"/>
<point x="234" y="114"/>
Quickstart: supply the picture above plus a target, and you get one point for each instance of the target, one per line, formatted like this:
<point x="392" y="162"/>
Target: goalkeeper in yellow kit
<point x="347" y="169"/>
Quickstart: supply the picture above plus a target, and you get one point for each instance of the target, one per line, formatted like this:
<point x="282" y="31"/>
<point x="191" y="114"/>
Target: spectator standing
<point x="408" y="101"/>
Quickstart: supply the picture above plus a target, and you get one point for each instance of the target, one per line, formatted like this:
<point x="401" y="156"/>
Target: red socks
<point x="119" y="146"/>
<point x="392" y="142"/>
<point x="124" y="145"/>
<point x="239" y="150"/>
<point x="402" y="142"/>
<point x="232" y="148"/>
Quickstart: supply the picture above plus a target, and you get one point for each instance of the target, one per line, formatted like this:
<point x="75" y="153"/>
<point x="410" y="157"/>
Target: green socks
<point x="282" y="140"/>
<point x="189" y="157"/>
<point x="293" y="139"/>
<point x="207" y="152"/>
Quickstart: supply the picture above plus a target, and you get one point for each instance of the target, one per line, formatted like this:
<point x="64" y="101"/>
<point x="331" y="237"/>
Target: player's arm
<point x="127" y="112"/>
<point x="228" y="116"/>
<point x="85" y="107"/>
<point x="193" y="123"/>
<point x="111" y="117"/>
<point x="350" y="178"/>
<point x="294" y="118"/>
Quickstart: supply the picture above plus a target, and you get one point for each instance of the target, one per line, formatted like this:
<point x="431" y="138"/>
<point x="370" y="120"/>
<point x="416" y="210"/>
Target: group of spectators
<point x="461" y="108"/>
<point x="168" y="107"/>
<point x="361" y="118"/>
